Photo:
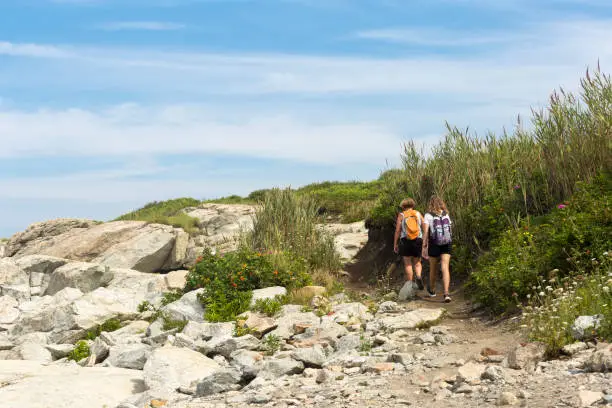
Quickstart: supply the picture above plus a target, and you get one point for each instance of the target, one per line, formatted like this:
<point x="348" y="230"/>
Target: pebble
<point x="507" y="398"/>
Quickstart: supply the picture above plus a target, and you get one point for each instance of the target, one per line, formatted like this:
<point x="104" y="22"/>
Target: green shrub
<point x="286" y="224"/>
<point x="169" y="297"/>
<point x="568" y="237"/>
<point x="110" y="325"/>
<point x="166" y="212"/>
<point x="229" y="279"/>
<point x="365" y="344"/>
<point x="170" y="324"/>
<point x="271" y="344"/>
<point x="269" y="307"/>
<point x="80" y="351"/>
<point x="555" y="304"/>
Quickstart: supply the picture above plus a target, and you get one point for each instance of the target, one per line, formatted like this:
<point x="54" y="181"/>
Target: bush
<point x="286" y="223"/>
<point x="555" y="304"/>
<point x="230" y="278"/>
<point x="509" y="176"/>
<point x="269" y="307"/>
<point x="271" y="344"/>
<point x="110" y="325"/>
<point x="565" y="239"/>
<point x="80" y="351"/>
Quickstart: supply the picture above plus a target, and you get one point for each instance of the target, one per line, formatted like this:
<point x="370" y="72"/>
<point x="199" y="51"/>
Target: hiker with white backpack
<point x="408" y="240"/>
<point x="437" y="245"/>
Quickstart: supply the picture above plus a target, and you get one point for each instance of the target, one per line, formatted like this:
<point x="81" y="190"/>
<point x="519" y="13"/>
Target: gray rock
<point x="81" y="275"/>
<point x="311" y="356"/>
<point x="248" y="362"/>
<point x="574" y="348"/>
<point x="349" y="342"/>
<point x="600" y="361"/>
<point x="526" y="356"/>
<point x="132" y="356"/>
<point x="227" y="345"/>
<point x="493" y="373"/>
<point x="412" y="319"/>
<point x="425" y="338"/>
<point x="275" y="368"/>
<point x="388" y="307"/>
<point x="267" y="293"/>
<point x="186" y="308"/>
<point x="219" y="381"/>
<point x="101" y="348"/>
<point x="583" y="327"/>
<point x="407" y="292"/>
<point x="507" y="398"/>
<point x="206" y="331"/>
<point x="59" y="351"/>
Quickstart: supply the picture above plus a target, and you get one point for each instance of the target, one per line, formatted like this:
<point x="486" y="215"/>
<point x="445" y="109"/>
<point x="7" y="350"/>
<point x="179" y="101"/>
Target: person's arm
<point x="425" y="238"/>
<point x="398" y="228"/>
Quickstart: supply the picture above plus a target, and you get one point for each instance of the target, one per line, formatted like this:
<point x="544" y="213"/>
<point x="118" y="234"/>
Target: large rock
<point x="526" y="356"/>
<point x="9" y="311"/>
<point x="275" y="368"/>
<point x="584" y="326"/>
<point x="219" y="381"/>
<point x="225" y="346"/>
<point x="247" y="361"/>
<point x="206" y="331"/>
<point x="267" y="293"/>
<point x="81" y="275"/>
<point x="11" y="273"/>
<point x="120" y="244"/>
<point x="407" y="292"/>
<point x="257" y="324"/>
<point x="187" y="308"/>
<point x="347" y="313"/>
<point x="176" y="279"/>
<point x="169" y="368"/>
<point x="29" y="384"/>
<point x="349" y="239"/>
<point x="289" y="319"/>
<point x="412" y="319"/>
<point x="600" y="361"/>
<point x="311" y="357"/>
<point x="133" y="356"/>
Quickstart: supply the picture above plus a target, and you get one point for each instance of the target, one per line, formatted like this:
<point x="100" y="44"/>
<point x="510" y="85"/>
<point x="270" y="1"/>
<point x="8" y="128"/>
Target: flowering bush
<point x="230" y="278"/>
<point x="554" y="304"/>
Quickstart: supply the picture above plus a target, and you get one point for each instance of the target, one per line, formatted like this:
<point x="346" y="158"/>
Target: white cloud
<point x="141" y="25"/>
<point x="438" y="37"/>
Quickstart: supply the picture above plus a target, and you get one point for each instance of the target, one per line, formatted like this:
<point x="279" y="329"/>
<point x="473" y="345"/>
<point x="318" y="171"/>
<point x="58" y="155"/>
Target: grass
<point x="488" y="182"/>
<point x="166" y="212"/>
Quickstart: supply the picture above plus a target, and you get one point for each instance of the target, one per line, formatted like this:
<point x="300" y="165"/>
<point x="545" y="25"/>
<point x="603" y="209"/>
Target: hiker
<point x="408" y="240"/>
<point x="437" y="245"/>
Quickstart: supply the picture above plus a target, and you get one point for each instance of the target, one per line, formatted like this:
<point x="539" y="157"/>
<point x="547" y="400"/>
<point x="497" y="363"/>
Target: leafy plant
<point x="271" y="344"/>
<point x="365" y="344"/>
<point x="170" y="324"/>
<point x="110" y="325"/>
<point x="169" y="297"/>
<point x="269" y="307"/>
<point x="80" y="351"/>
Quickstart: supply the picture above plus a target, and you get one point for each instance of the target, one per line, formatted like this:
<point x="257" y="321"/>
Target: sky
<point x="106" y="105"/>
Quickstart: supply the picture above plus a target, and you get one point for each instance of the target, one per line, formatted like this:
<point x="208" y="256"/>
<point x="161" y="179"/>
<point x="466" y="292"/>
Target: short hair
<point x="407" y="203"/>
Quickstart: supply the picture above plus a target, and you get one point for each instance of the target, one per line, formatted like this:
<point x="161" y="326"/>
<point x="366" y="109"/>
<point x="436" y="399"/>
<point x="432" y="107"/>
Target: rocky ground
<point x="59" y="281"/>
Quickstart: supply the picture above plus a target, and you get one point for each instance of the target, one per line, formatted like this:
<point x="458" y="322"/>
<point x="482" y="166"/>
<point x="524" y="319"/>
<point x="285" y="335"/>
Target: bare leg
<point x="408" y="267"/>
<point x="433" y="273"/>
<point x="445" y="264"/>
<point x="418" y="267"/>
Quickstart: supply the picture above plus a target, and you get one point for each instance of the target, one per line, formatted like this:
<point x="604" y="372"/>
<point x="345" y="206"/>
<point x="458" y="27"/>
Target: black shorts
<point x="410" y="247"/>
<point x="436" y="250"/>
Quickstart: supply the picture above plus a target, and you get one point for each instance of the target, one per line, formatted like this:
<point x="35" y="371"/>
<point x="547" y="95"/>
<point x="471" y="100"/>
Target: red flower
<point x="234" y="285"/>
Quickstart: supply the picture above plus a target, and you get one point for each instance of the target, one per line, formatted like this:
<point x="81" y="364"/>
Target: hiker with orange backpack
<point x="408" y="240"/>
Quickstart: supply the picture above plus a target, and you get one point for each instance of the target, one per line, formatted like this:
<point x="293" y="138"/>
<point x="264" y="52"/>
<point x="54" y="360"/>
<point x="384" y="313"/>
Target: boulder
<point x="81" y="275"/>
<point x="345" y="313"/>
<point x="9" y="311"/>
<point x="526" y="356"/>
<point x="59" y="350"/>
<point x="349" y="239"/>
<point x="11" y="273"/>
<point x="169" y="368"/>
<point x="248" y="362"/>
<point x="407" y="292"/>
<point x="219" y="381"/>
<point x="600" y="361"/>
<point x="176" y="279"/>
<point x="470" y="372"/>
<point x="412" y="319"/>
<point x="132" y="356"/>
<point x="257" y="324"/>
<point x="289" y="319"/>
<point x="225" y="346"/>
<point x="584" y="326"/>
<point x="311" y="356"/>
<point x="33" y="352"/>
<point x="30" y="384"/>
<point x="20" y="292"/>
<point x="206" y="331"/>
<point x="187" y="308"/>
<point x="388" y="307"/>
<point x="267" y="293"/>
<point x="275" y="368"/>
<point x="588" y="398"/>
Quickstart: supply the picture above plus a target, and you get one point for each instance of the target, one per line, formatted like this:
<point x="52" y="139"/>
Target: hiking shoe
<point x="430" y="293"/>
<point x="447" y="298"/>
<point x="419" y="282"/>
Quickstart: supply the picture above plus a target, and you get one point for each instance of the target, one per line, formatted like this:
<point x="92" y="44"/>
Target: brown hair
<point x="437" y="205"/>
<point x="407" y="203"/>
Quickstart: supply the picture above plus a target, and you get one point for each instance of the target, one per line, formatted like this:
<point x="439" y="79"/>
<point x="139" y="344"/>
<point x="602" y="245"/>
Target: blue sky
<point x="108" y="104"/>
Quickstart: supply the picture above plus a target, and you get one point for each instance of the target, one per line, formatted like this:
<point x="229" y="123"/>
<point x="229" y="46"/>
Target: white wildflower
<point x="541" y="294"/>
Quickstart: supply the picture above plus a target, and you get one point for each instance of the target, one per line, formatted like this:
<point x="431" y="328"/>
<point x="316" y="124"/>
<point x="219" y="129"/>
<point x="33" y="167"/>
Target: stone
<point x="275" y="368"/>
<point x="33" y="352"/>
<point x="289" y="319"/>
<point x="345" y="312"/>
<point x="401" y="358"/>
<point x="176" y="279"/>
<point x="507" y="398"/>
<point x="267" y="293"/>
<point x="470" y="372"/>
<point x="425" y="338"/>
<point x="182" y="340"/>
<point x="132" y="356"/>
<point x="407" y="292"/>
<point x="412" y="319"/>
<point x="219" y="381"/>
<point x="225" y="346"/>
<point x="169" y="368"/>
<point x="59" y="351"/>
<point x="377" y="367"/>
<point x="20" y="292"/>
<point x="206" y="331"/>
<point x="349" y="342"/>
<point x="526" y="356"/>
<point x="11" y="273"/>
<point x="187" y="308"/>
<point x="388" y="307"/>
<point x="574" y="348"/>
<point x="584" y="326"/>
<point x="493" y="373"/>
<point x="248" y="362"/>
<point x="600" y="361"/>
<point x="30" y="384"/>
<point x="588" y="398"/>
<point x="311" y="356"/>
<point x="9" y="311"/>
<point x="257" y="324"/>
<point x="101" y="348"/>
<point x="81" y="275"/>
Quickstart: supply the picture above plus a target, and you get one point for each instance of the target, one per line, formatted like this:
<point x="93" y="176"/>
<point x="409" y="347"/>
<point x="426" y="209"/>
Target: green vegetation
<point x="565" y="240"/>
<point x="80" y="351"/>
<point x="488" y="183"/>
<point x="365" y="344"/>
<point x="271" y="344"/>
<point x="269" y="307"/>
<point x="110" y="325"/>
<point x="169" y="297"/>
<point x="230" y="279"/>
<point x="166" y="212"/>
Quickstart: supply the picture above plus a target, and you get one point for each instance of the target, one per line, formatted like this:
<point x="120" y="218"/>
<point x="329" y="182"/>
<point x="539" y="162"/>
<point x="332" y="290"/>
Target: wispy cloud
<point x="140" y="25"/>
<point x="438" y="37"/>
<point x="33" y="50"/>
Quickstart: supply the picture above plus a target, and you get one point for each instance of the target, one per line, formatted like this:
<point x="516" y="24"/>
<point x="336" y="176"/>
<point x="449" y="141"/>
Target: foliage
<point x="365" y="344"/>
<point x="145" y="306"/>
<point x="240" y="330"/>
<point x="554" y="304"/>
<point x="489" y="182"/>
<point x="108" y="326"/>
<point x="286" y="224"/>
<point x="269" y="307"/>
<point x="229" y="279"/>
<point x="170" y="324"/>
<point x="566" y="238"/>
<point x="166" y="212"/>
<point x="169" y="297"/>
<point x="80" y="351"/>
<point x="271" y="344"/>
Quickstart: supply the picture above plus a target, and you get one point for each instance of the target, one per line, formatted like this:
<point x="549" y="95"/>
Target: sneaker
<point x="430" y="293"/>
<point x="447" y="298"/>
<point x="419" y="281"/>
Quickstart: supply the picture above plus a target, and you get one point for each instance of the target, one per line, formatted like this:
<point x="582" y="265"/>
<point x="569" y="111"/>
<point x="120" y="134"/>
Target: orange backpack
<point x="412" y="224"/>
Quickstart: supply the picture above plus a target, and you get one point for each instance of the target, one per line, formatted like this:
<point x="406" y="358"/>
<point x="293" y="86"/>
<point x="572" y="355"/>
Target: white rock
<point x="600" y="361"/>
<point x="311" y="356"/>
<point x="9" y="311"/>
<point x="169" y="368"/>
<point x="267" y="293"/>
<point x="412" y="319"/>
<point x="407" y="292"/>
<point x="219" y="381"/>
<point x="279" y="367"/>
<point x="11" y="273"/>
<point x="470" y="372"/>
<point x="33" y="352"/>
<point x="526" y="356"/>
<point x="388" y="307"/>
<point x="507" y="398"/>
<point x="588" y="398"/>
<point x="59" y="350"/>
<point x="176" y="279"/>
<point x="188" y="307"/>
<point x="81" y="275"/>
<point x="133" y="356"/>
<point x="584" y="325"/>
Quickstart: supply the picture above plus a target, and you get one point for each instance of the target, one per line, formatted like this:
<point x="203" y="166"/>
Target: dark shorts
<point x="410" y="247"/>
<point x="436" y="250"/>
